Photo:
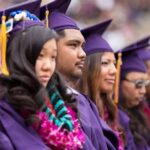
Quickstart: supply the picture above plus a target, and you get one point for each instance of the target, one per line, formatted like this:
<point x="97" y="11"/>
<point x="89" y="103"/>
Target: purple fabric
<point x="131" y="63"/>
<point x="57" y="5"/>
<point x="124" y="121"/>
<point x="59" y="21"/>
<point x="96" y="44"/>
<point x="97" y="131"/>
<point x="140" y="42"/>
<point x="57" y="18"/>
<point x="144" y="54"/>
<point x="33" y="6"/>
<point x="130" y="143"/>
<point x="94" y="41"/>
<point x="14" y="134"/>
<point x="22" y="25"/>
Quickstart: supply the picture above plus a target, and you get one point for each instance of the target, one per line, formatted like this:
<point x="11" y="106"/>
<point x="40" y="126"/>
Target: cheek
<point x="37" y="67"/>
<point x="104" y="72"/>
<point x="53" y="66"/>
<point x="128" y="90"/>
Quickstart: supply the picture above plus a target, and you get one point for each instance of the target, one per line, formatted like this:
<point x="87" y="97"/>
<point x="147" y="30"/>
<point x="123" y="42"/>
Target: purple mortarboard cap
<point x="33" y="6"/>
<point x="131" y="61"/>
<point x="59" y="21"/>
<point x="144" y="54"/>
<point x="142" y="41"/>
<point x="57" y="5"/>
<point x="94" y="41"/>
<point x="57" y="18"/>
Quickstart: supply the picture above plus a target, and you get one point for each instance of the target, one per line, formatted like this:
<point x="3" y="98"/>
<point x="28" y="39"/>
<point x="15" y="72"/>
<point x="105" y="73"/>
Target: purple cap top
<point x="132" y="63"/>
<point x="144" y="54"/>
<point x="94" y="41"/>
<point x="59" y="21"/>
<point x="22" y="25"/>
<point x="33" y="6"/>
<point x="57" y="5"/>
<point x="57" y="18"/>
<point x="131" y="58"/>
<point x="142" y="41"/>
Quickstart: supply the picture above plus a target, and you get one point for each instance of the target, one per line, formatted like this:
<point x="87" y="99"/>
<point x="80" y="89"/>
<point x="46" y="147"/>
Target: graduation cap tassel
<point x="0" y="50"/>
<point x="47" y="14"/>
<point x="3" y="47"/>
<point x="116" y="93"/>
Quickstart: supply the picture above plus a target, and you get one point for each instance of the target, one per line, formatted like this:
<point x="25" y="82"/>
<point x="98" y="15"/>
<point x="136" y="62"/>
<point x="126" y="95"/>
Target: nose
<point x="81" y="53"/>
<point x="47" y="65"/>
<point x="113" y="69"/>
<point x="143" y="90"/>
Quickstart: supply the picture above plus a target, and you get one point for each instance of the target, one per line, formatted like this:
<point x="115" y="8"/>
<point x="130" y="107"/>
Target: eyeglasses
<point x="139" y="83"/>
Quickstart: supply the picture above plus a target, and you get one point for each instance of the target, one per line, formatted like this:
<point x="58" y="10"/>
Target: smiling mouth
<point x="111" y="81"/>
<point x="80" y="64"/>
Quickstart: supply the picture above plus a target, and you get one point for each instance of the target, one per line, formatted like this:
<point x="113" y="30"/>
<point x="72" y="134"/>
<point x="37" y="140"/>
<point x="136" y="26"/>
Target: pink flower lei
<point x="60" y="138"/>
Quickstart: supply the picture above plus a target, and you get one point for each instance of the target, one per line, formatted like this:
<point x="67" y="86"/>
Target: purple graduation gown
<point x="124" y="121"/>
<point x="97" y="131"/>
<point x="130" y="143"/>
<point x="14" y="134"/>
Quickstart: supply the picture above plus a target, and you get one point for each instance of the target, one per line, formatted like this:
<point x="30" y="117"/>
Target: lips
<point x="80" y="64"/>
<point x="111" y="81"/>
<point x="140" y="99"/>
<point x="45" y="78"/>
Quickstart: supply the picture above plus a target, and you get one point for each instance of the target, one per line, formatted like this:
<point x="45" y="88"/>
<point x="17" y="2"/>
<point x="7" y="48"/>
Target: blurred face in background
<point x="133" y="88"/>
<point x="108" y="71"/>
<point x="148" y="87"/>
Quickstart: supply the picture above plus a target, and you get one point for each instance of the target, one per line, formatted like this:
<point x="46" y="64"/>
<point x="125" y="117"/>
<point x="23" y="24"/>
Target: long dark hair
<point x="22" y="88"/>
<point x="138" y="121"/>
<point x="89" y="84"/>
<point x="64" y="92"/>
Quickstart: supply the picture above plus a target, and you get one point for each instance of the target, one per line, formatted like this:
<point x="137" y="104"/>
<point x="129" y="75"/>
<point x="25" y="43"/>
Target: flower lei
<point x="59" y="127"/>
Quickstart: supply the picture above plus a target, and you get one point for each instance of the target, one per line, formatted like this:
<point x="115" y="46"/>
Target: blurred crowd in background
<point x="131" y="18"/>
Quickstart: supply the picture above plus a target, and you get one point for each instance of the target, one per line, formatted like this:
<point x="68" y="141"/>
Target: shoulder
<point x="123" y="117"/>
<point x="5" y="143"/>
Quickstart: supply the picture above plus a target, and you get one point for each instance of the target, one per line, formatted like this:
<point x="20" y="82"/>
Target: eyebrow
<point x="107" y="59"/>
<point x="76" y="41"/>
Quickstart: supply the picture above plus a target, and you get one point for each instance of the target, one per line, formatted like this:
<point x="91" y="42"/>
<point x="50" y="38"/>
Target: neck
<point x="71" y="82"/>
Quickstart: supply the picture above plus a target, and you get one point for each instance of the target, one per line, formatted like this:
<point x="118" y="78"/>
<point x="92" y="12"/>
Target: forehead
<point x="108" y="55"/>
<point x="137" y="75"/>
<point x="73" y="34"/>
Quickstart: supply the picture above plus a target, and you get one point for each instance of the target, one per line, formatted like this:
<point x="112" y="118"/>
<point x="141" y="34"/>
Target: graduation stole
<point x="59" y="127"/>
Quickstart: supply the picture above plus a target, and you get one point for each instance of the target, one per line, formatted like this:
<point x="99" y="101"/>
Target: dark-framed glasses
<point x="139" y="83"/>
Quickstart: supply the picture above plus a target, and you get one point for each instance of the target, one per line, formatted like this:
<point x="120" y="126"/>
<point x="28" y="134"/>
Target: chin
<point x="109" y="88"/>
<point x="78" y="74"/>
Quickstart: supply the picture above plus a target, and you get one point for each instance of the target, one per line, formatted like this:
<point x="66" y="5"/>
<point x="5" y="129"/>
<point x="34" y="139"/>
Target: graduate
<point x="132" y="91"/>
<point x="70" y="62"/>
<point x="98" y="78"/>
<point x="26" y="59"/>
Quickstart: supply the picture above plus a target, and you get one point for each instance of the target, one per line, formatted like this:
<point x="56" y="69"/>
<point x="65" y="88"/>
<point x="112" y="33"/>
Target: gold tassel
<point x="46" y="16"/>
<point x="117" y="80"/>
<point x="3" y="46"/>
<point x="0" y="52"/>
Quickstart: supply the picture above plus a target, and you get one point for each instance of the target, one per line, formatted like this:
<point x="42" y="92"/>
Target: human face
<point x="71" y="57"/>
<point x="132" y="92"/>
<point x="108" y="71"/>
<point x="148" y="68"/>
<point x="148" y="71"/>
<point x="46" y="62"/>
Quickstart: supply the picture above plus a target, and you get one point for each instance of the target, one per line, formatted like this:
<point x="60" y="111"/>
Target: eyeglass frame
<point x="136" y="82"/>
